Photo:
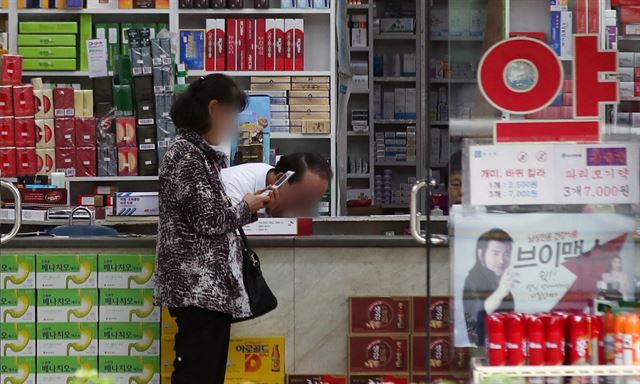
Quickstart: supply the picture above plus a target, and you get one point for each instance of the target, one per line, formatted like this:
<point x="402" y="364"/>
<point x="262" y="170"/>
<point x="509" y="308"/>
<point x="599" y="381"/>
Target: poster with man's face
<point x="536" y="262"/>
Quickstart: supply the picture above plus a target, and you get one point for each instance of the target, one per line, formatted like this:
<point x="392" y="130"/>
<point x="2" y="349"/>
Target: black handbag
<point x="261" y="299"/>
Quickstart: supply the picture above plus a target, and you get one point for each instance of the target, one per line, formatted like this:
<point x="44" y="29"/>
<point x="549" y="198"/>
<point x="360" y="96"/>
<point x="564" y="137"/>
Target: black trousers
<point x="201" y="345"/>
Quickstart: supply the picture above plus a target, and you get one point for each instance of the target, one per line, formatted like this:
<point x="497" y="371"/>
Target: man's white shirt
<point x="246" y="178"/>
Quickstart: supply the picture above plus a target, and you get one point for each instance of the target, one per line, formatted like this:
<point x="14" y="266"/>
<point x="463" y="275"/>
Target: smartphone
<point x="282" y="180"/>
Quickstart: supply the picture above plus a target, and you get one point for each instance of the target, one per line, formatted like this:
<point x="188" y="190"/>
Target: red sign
<point x="523" y="75"/>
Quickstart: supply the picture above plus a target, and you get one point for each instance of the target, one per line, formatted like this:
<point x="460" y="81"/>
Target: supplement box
<point x="67" y="305"/>
<point x="62" y="369"/>
<point x="46" y="40"/>
<point x="130" y="369"/>
<point x="127" y="305"/>
<point x="317" y="379"/>
<point x="48" y="52"/>
<point x="439" y="354"/>
<point x="379" y="314"/>
<point x="44" y="27"/>
<point x="126" y="271"/>
<point x="18" y="339"/>
<point x="17" y="305"/>
<point x="379" y="354"/>
<point x="65" y="271"/>
<point x="18" y="272"/>
<point x="67" y="339"/>
<point x="379" y="379"/>
<point x="256" y="359"/>
<point x="129" y="339"/>
<point x="49" y="64"/>
<point x="18" y="369"/>
<point x="440" y="314"/>
<point x="136" y="204"/>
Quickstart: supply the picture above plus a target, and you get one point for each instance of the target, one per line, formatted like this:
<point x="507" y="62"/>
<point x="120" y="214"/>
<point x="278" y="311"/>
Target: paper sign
<point x="554" y="174"/>
<point x="597" y="174"/>
<point x="511" y="175"/>
<point x="272" y="226"/>
<point x="97" y="57"/>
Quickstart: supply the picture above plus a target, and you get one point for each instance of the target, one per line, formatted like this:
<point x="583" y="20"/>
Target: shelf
<point x="456" y="38"/>
<point x="107" y="11"/>
<point x="629" y="38"/>
<point x="255" y="11"/>
<point x="358" y="6"/>
<point x="395" y="36"/>
<point x="391" y="163"/>
<point x="454" y="81"/>
<point x="395" y="121"/>
<point x="111" y="178"/>
<point x="439" y="122"/>
<point x="59" y="73"/>
<point x="358" y="175"/>
<point x="395" y="206"/>
<point x="395" y="79"/>
<point x="360" y="92"/>
<point x="358" y="134"/>
<point x="631" y="99"/>
<point x="359" y="49"/>
<point x="260" y="73"/>
<point x="289" y="136"/>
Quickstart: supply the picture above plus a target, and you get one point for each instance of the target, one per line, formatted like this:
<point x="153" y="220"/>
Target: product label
<point x="260" y="359"/>
<point x="19" y="369"/>
<point x="63" y="271"/>
<point x="63" y="369"/>
<point x="128" y="305"/>
<point x="18" y="339"/>
<point x="126" y="369"/>
<point x="67" y="339"/>
<point x="17" y="271"/>
<point x="17" y="306"/>
<point x="129" y="339"/>
<point x="67" y="305"/>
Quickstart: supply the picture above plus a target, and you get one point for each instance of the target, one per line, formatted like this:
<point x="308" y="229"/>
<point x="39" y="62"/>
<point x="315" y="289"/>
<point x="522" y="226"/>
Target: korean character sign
<point x="535" y="262"/>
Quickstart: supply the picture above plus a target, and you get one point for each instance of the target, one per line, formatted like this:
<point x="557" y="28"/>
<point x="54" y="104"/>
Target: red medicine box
<point x="26" y="163"/>
<point x="636" y="89"/>
<point x="379" y="314"/>
<point x="23" y="102"/>
<point x="421" y="378"/>
<point x="316" y="379"/>
<point x="63" y="102"/>
<point x="86" y="161"/>
<point x="636" y="74"/>
<point x="11" y="70"/>
<point x="440" y="314"/>
<point x="379" y="379"/>
<point x="66" y="160"/>
<point x="6" y="100"/>
<point x="379" y="354"/>
<point x="126" y="132"/>
<point x="439" y="354"/>
<point x="45" y="137"/>
<point x="85" y="132"/>
<point x="25" y="131"/>
<point x="7" y="132"/>
<point x="7" y="162"/>
<point x="65" y="129"/>
<point x="127" y="161"/>
<point x="45" y="161"/>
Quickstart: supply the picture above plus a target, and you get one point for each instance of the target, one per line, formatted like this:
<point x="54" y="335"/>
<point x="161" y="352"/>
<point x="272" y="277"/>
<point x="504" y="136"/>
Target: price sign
<point x="597" y="174"/>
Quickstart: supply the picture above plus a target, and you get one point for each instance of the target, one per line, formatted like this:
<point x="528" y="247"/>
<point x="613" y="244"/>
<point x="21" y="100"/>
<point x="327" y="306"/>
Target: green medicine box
<point x="46" y="40"/>
<point x="48" y="52"/>
<point x="49" y="64"/>
<point x="48" y="27"/>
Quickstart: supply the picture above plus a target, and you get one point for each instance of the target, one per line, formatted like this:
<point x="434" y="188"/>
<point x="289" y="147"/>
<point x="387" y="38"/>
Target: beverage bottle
<point x="618" y="330"/>
<point x="536" y="344"/>
<point x="596" y="352"/>
<point x="515" y="339"/>
<point x="496" y="339"/>
<point x="609" y="338"/>
<point x="275" y="359"/>
<point x="631" y="343"/>
<point x="554" y="335"/>
<point x="578" y="343"/>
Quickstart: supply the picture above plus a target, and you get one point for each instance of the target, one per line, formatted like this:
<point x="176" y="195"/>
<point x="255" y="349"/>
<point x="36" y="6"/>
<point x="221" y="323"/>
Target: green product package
<point x="18" y="339"/>
<point x="113" y="40"/>
<point x="130" y="369"/>
<point x="128" y="305"/>
<point x="126" y="271"/>
<point x="48" y="52"/>
<point x="49" y="64"/>
<point x="65" y="369"/>
<point x="49" y="27"/>
<point x="46" y="40"/>
<point x="67" y="271"/>
<point x="18" y="271"/>
<point x="67" y="339"/>
<point x="18" y="369"/>
<point x="124" y="27"/>
<point x="17" y="305"/>
<point x="86" y="27"/>
<point x="123" y="99"/>
<point x="129" y="339"/>
<point x="67" y="305"/>
<point x="122" y="69"/>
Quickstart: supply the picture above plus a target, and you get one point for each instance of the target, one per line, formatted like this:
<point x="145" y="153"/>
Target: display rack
<point x="319" y="51"/>
<point x="482" y="373"/>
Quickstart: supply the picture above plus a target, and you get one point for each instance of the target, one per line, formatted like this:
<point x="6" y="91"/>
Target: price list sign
<point x="511" y="175"/>
<point x="554" y="174"/>
<point x="597" y="174"/>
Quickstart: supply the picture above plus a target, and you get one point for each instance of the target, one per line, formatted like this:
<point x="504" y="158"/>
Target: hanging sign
<point x="523" y="75"/>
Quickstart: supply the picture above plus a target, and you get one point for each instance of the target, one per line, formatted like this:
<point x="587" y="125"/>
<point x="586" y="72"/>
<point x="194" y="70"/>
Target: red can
<point x="554" y="336"/>
<point x="578" y="340"/>
<point x="516" y="344"/>
<point x="496" y="339"/>
<point x="535" y="340"/>
<point x="596" y="347"/>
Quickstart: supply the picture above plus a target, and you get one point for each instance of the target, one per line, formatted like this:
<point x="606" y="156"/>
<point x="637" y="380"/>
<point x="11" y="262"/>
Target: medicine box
<point x="127" y="305"/>
<point x="49" y="64"/>
<point x="18" y="305"/>
<point x="46" y="40"/>
<point x="18" y="271"/>
<point x="18" y="339"/>
<point x="126" y="271"/>
<point x="67" y="305"/>
<point x="130" y="369"/>
<point x="129" y="339"/>
<point x="67" y="339"/>
<point x="67" y="271"/>
<point x="48" y="27"/>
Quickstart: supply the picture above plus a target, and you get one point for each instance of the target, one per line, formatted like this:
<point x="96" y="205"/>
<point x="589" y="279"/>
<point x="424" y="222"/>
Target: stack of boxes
<point x="54" y="46"/>
<point x="261" y="4"/>
<point x="399" y="103"/>
<point x="244" y="45"/>
<point x="560" y="108"/>
<point x="385" y="193"/>
<point x="118" y="40"/>
<point x="460" y="22"/>
<point x="396" y="145"/>
<point x="439" y="150"/>
<point x="62" y="313"/>
<point x="359" y="34"/>
<point x="629" y="75"/>
<point x="92" y="4"/>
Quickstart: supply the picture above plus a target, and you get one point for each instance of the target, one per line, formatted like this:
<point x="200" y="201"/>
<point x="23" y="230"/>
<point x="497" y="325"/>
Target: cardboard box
<point x="126" y="132"/>
<point x="18" y="305"/>
<point x="44" y="104"/>
<point x="128" y="305"/>
<point x="52" y="27"/>
<point x="67" y="339"/>
<point x="18" y="369"/>
<point x="49" y="64"/>
<point x="317" y="379"/>
<point x="379" y="379"/>
<point x="6" y="100"/>
<point x="86" y="162"/>
<point x="67" y="305"/>
<point x="316" y="127"/>
<point x="421" y="378"/>
<point x="380" y="353"/>
<point x="18" y="339"/>
<point x="107" y="161"/>
<point x="561" y="36"/>
<point x="18" y="271"/>
<point x="379" y="314"/>
<point x="47" y="52"/>
<point x="256" y="359"/>
<point x="135" y="204"/>
<point x="439" y="354"/>
<point x="106" y="132"/>
<point x="65" y="132"/>
<point x="7" y="132"/>
<point x="8" y="162"/>
<point x="56" y="40"/>
<point x="441" y="320"/>
<point x="50" y="369"/>
<point x="127" y="161"/>
<point x="23" y="100"/>
<point x="11" y="69"/>
<point x="63" y="102"/>
<point x="129" y="339"/>
<point x="67" y="271"/>
<point x="130" y="369"/>
<point x="148" y="162"/>
<point x="26" y="162"/>
<point x="399" y="98"/>
<point x="126" y="271"/>
<point x="85" y="132"/>
<point x="25" y="132"/>
<point x="215" y="54"/>
<point x="192" y="48"/>
<point x="279" y="44"/>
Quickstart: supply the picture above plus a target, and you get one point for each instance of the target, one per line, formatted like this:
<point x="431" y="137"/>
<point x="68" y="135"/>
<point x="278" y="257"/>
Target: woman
<point x="199" y="261"/>
<point x="617" y="275"/>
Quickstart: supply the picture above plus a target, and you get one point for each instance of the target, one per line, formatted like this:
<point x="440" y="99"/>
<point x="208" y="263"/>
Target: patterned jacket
<point x="199" y="259"/>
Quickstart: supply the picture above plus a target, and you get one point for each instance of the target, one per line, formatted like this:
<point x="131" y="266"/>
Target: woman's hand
<point x="257" y="200"/>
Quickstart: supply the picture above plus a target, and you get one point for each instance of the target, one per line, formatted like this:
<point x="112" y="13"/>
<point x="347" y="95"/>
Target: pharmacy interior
<point x="511" y="122"/>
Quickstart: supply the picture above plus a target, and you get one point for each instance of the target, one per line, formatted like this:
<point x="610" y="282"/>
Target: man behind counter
<point x="298" y="197"/>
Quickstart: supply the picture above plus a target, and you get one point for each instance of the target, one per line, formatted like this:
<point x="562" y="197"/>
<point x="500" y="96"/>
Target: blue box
<point x="320" y="3"/>
<point x="192" y="48"/>
<point x="555" y="31"/>
<point x="253" y="132"/>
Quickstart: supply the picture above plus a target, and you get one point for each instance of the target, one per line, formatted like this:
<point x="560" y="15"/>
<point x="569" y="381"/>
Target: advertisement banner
<point x="536" y="262"/>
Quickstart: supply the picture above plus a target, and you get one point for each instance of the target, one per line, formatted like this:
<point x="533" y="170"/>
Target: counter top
<point x="331" y="241"/>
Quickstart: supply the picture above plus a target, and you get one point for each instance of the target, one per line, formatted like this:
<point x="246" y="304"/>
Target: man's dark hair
<point x="191" y="110"/>
<point x="302" y="162"/>
<point x="494" y="234"/>
<point x="455" y="162"/>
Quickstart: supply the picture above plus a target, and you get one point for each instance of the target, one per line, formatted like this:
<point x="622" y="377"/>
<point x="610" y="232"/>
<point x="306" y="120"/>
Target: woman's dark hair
<point x="302" y="162"/>
<point x="191" y="110"/>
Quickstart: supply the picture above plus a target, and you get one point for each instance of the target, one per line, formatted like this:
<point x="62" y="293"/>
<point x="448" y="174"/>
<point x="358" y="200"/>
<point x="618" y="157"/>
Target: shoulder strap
<point x="244" y="240"/>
